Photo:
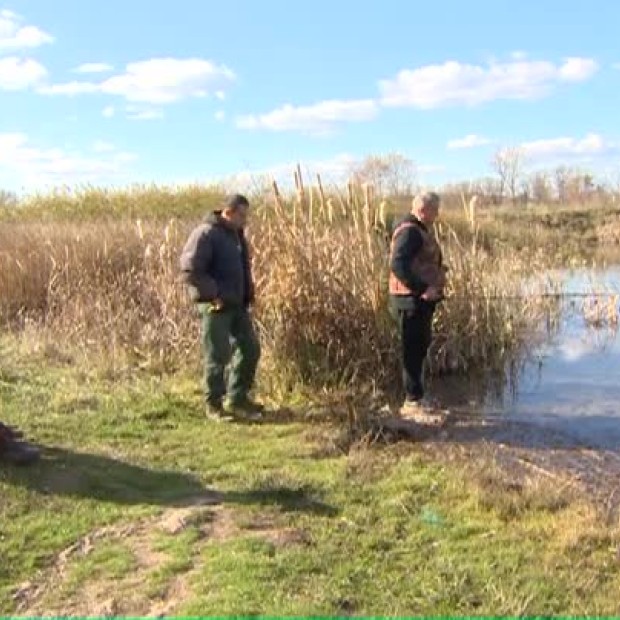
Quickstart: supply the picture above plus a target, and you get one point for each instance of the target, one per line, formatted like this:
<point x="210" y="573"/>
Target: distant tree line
<point x="394" y="175"/>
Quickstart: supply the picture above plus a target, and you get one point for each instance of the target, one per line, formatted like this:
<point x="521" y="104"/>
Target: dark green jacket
<point x="215" y="263"/>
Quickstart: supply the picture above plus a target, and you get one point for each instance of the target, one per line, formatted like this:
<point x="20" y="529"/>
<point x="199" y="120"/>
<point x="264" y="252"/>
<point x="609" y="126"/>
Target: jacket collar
<point x="410" y="217"/>
<point x="215" y="219"/>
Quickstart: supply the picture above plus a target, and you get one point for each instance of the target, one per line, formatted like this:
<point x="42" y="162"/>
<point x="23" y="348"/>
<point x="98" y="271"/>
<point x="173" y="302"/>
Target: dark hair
<point x="235" y="201"/>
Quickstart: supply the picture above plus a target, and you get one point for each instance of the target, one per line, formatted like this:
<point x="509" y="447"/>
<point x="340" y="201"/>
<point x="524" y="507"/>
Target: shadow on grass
<point x="287" y="498"/>
<point x="62" y="472"/>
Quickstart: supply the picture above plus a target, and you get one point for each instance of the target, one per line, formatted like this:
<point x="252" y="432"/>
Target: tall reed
<point x="321" y="263"/>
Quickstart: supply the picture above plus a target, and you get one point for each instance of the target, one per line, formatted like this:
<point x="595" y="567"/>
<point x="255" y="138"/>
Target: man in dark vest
<point x="416" y="283"/>
<point x="216" y="265"/>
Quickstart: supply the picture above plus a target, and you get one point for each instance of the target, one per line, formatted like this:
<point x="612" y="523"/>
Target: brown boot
<point x="423" y="412"/>
<point x="246" y="409"/>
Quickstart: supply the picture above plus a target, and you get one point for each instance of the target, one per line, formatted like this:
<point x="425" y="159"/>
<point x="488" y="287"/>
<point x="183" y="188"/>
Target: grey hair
<point x="427" y="199"/>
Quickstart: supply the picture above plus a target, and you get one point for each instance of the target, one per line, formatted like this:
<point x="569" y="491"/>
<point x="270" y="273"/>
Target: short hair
<point x="235" y="201"/>
<point x="427" y="199"/>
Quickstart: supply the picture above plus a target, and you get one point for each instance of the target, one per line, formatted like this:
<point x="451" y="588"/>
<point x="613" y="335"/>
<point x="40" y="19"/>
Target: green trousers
<point x="228" y="335"/>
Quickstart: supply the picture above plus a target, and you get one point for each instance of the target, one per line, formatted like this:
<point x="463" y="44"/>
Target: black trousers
<point x="416" y="326"/>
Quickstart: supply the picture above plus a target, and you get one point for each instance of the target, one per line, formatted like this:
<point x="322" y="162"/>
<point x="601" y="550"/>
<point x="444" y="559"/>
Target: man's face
<point x="429" y="213"/>
<point x="237" y="217"/>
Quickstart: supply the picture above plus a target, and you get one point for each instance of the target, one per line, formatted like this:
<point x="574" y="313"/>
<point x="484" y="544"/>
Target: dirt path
<point x="50" y="593"/>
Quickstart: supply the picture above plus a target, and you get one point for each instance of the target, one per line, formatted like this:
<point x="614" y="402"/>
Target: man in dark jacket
<point x="216" y="265"/>
<point x="416" y="283"/>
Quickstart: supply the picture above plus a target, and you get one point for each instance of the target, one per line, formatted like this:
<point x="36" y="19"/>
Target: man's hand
<point x="432" y="293"/>
<point x="216" y="305"/>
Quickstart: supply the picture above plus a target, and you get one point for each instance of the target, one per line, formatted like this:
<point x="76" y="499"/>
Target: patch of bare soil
<point x="267" y="528"/>
<point x="48" y="593"/>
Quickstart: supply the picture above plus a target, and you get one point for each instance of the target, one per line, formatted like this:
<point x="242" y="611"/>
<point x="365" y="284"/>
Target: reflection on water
<point x="572" y="384"/>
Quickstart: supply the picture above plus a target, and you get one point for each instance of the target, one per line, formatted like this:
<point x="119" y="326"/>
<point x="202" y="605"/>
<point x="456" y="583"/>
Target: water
<point x="572" y="385"/>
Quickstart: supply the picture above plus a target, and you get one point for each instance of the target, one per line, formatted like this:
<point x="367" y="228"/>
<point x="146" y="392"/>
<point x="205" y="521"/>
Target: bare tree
<point x="540" y="187"/>
<point x="573" y="185"/>
<point x="508" y="163"/>
<point x="562" y="182"/>
<point x="490" y="190"/>
<point x="392" y="174"/>
<point x="581" y="186"/>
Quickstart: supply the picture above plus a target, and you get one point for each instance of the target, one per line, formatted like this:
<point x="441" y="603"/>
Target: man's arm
<point x="406" y="245"/>
<point x="247" y="268"/>
<point x="195" y="262"/>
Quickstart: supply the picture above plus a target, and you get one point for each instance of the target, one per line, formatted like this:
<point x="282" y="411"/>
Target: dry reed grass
<point x="111" y="285"/>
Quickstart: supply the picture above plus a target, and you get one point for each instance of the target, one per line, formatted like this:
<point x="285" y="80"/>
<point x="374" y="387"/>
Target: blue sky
<point x="172" y="92"/>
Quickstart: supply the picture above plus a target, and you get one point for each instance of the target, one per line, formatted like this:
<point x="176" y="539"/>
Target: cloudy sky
<point x="149" y="90"/>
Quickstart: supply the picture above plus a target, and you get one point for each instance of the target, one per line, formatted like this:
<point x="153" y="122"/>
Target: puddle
<point x="572" y="383"/>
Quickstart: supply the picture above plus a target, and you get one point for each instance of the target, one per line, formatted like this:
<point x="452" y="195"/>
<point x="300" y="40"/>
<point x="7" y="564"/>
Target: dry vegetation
<point x="106" y="280"/>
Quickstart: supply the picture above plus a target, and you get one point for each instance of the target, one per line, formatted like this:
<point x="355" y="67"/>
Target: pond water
<point x="571" y="384"/>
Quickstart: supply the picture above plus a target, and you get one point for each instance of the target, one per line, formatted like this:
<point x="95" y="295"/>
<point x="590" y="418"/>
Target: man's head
<point x="426" y="207"/>
<point x="235" y="211"/>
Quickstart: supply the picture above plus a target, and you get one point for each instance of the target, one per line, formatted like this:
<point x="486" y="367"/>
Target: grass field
<point x="142" y="507"/>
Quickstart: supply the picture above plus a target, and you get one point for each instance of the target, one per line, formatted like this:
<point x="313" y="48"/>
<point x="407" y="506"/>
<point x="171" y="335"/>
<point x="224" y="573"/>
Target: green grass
<point x="567" y="232"/>
<point x="180" y="551"/>
<point x="112" y="561"/>
<point x="388" y="530"/>
<point x="94" y="203"/>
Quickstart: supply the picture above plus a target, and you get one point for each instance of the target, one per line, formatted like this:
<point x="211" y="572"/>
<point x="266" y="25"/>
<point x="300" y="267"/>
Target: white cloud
<point x="332" y="170"/>
<point x="138" y="113"/>
<point x="468" y="142"/>
<point x="578" y="69"/>
<point x="11" y="141"/>
<point x="125" y="158"/>
<point x="156" y="81"/>
<point x="220" y="115"/>
<point x="100" y="146"/>
<point x="93" y="67"/>
<point x="455" y="83"/>
<point x="20" y="74"/>
<point x="109" y="111"/>
<point x="588" y="147"/>
<point x="319" y="118"/>
<point x="32" y="165"/>
<point x="15" y="35"/>
<point x="221" y="95"/>
<point x="166" y="80"/>
<point x="69" y="88"/>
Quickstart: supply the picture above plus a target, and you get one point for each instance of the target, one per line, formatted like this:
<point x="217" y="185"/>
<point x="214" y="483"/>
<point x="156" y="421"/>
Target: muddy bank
<point x="526" y="451"/>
